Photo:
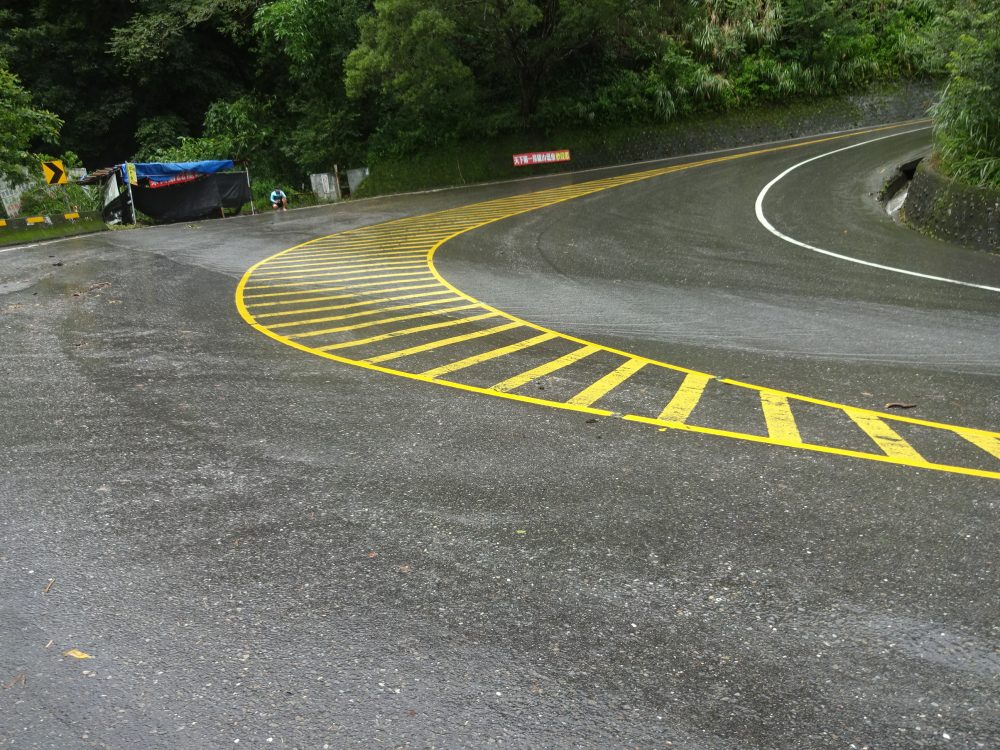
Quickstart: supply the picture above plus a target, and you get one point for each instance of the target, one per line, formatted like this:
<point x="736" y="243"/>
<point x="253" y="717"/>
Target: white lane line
<point x="770" y="227"/>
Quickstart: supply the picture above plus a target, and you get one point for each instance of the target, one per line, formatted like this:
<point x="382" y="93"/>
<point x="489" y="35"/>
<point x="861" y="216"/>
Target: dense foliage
<point x="296" y="86"/>
<point x="21" y="125"/>
<point x="967" y="117"/>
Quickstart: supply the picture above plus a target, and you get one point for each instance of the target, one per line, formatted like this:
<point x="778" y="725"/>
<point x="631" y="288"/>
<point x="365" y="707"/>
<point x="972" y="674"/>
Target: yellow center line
<point x="542" y="370"/>
<point x="608" y="383"/>
<point x="686" y="398"/>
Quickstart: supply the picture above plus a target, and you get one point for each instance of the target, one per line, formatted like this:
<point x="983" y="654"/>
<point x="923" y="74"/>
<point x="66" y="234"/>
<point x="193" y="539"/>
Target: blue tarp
<point x="163" y="171"/>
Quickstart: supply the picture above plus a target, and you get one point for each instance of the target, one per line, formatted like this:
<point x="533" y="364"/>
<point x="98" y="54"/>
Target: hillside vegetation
<point x="296" y="86"/>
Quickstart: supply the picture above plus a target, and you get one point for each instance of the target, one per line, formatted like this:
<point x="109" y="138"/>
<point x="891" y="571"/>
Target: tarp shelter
<point x="173" y="191"/>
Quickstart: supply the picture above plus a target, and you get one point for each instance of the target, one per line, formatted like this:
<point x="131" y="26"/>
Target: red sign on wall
<point x="541" y="157"/>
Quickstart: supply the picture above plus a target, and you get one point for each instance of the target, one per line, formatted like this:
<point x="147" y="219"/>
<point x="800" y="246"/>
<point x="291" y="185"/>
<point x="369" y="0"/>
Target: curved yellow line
<point x="974" y="435"/>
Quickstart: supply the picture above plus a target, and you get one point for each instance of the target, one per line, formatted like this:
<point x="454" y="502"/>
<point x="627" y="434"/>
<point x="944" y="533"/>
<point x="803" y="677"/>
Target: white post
<point x="131" y="201"/>
<point x="253" y="210"/>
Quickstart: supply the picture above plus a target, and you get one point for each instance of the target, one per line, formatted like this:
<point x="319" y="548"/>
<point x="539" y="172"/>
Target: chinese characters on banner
<point x="541" y="157"/>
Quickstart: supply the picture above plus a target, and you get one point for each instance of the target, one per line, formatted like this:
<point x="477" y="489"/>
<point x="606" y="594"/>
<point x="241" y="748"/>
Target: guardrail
<point x="28" y="222"/>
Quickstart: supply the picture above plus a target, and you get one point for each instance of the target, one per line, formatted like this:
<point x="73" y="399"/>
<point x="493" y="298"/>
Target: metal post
<point x="131" y="201"/>
<point x="253" y="210"/>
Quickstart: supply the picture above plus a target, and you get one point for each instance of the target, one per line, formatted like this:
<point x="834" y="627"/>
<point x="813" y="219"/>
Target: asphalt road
<point x="260" y="547"/>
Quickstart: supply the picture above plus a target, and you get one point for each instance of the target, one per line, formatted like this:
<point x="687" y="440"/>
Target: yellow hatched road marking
<point x="549" y="367"/>
<point x="330" y="257"/>
<point x="406" y="332"/>
<point x="364" y="313"/>
<point x="349" y="265"/>
<point x="399" y="240"/>
<point x="778" y="417"/>
<point x="686" y="398"/>
<point x="443" y="342"/>
<point x="300" y="300"/>
<point x="989" y="443"/>
<point x="884" y="436"/>
<point x="346" y="250"/>
<point x="327" y="276"/>
<point x="362" y="303"/>
<point x="486" y="356"/>
<point x="427" y="275"/>
<point x="608" y="383"/>
<point x="340" y="281"/>
<point x="383" y="321"/>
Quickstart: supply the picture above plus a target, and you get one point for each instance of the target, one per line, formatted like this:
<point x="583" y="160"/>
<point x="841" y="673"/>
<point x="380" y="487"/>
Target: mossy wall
<point x="953" y="211"/>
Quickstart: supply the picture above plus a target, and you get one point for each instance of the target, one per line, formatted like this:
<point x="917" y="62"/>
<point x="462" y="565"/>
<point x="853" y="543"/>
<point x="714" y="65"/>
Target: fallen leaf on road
<point x="77" y="654"/>
<point x="372" y="555"/>
<point x="20" y="677"/>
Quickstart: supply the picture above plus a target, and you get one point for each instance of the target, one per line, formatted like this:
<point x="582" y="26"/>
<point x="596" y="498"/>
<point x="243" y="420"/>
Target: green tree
<point x="57" y="49"/>
<point x="967" y="116"/>
<point x="302" y="46"/>
<point x="407" y="64"/>
<point x="24" y="126"/>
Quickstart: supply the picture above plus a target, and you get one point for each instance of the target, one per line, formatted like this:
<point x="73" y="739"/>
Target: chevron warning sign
<point x="55" y="172"/>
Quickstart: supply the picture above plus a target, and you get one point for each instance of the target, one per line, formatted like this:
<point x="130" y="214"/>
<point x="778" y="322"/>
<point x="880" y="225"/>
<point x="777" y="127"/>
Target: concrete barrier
<point x="27" y="222"/>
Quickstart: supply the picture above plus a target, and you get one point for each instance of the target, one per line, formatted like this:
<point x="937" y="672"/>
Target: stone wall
<point x="951" y="211"/>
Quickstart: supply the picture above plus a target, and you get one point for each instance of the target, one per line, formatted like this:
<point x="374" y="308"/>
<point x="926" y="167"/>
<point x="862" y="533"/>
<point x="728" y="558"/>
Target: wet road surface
<point x="260" y="547"/>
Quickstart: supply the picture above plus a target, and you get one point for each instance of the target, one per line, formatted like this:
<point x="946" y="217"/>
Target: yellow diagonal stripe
<point x="382" y="321"/>
<point x="686" y="398"/>
<point x="356" y="303"/>
<point x="608" y="383"/>
<point x="364" y="313"/>
<point x="778" y="417"/>
<point x="443" y="342"/>
<point x="884" y="436"/>
<point x="989" y="443"/>
<point x="486" y="356"/>
<point x="417" y="284"/>
<point x="549" y="367"/>
<point x="405" y="332"/>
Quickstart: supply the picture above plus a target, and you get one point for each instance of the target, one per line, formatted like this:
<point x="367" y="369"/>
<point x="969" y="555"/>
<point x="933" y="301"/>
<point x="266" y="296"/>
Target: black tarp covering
<point x="197" y="199"/>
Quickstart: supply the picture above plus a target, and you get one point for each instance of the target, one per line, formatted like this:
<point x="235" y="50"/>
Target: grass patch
<point x="46" y="232"/>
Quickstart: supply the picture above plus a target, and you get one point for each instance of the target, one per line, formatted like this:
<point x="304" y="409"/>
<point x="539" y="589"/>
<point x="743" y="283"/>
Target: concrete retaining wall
<point x="943" y="208"/>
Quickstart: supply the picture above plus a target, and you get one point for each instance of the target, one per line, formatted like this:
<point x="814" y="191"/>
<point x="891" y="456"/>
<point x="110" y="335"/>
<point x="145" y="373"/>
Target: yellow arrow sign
<point x="55" y="172"/>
